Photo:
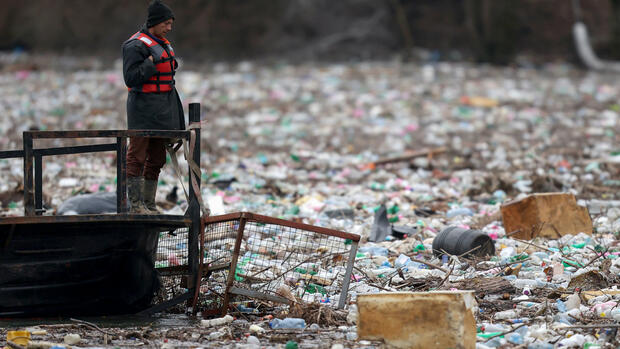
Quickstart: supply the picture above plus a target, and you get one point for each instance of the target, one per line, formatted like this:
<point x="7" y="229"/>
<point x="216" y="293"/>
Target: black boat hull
<point x="79" y="266"/>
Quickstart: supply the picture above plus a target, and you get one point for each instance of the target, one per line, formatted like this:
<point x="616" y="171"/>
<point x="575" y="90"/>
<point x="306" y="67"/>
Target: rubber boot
<point x="134" y="192"/>
<point x="150" y="190"/>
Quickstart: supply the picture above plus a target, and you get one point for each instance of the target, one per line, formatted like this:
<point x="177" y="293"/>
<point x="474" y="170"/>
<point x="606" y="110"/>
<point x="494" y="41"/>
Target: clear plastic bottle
<point x="495" y="342"/>
<point x="374" y="250"/>
<point x="402" y="261"/>
<point x="563" y="318"/>
<point x="577" y="340"/>
<point x="495" y="328"/>
<point x="523" y="283"/>
<point x="505" y="315"/>
<point x="541" y="255"/>
<point x="515" y="338"/>
<point x="287" y="323"/>
<point x="561" y="306"/>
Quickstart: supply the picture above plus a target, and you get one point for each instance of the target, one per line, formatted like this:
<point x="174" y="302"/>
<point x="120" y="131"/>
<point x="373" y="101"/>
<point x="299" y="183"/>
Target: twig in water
<point x="91" y="325"/>
<point x="576" y="318"/>
<point x="597" y="256"/>
<point x="14" y="345"/>
<point x="533" y="245"/>
<point x="372" y="280"/>
<point x="448" y="275"/>
<point x="504" y="266"/>
<point x="566" y="260"/>
<point x="428" y="264"/>
<point x="470" y="251"/>
<point x="513" y="232"/>
<point x="593" y="260"/>
<point x="594" y="326"/>
<point x="240" y="312"/>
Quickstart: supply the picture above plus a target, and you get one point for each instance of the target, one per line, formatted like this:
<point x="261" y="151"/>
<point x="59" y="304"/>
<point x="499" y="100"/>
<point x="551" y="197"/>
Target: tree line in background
<point x="496" y="31"/>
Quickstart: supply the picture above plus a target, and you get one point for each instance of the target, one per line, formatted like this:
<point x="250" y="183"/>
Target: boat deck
<point x="163" y="221"/>
<point x="96" y="264"/>
<point x="92" y="263"/>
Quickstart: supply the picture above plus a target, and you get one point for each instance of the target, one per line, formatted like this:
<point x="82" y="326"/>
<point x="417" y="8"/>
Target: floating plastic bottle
<point x="217" y="322"/>
<point x="460" y="211"/>
<point x="287" y="323"/>
<point x="402" y="261"/>
<point x="374" y="250"/>
<point x="561" y="306"/>
<point x="515" y="338"/>
<point x="525" y="283"/>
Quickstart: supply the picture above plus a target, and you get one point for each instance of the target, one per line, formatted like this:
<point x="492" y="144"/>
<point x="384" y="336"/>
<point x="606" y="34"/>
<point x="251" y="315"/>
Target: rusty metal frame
<point x="33" y="198"/>
<point x="253" y="217"/>
<point x="243" y="218"/>
<point x="33" y="178"/>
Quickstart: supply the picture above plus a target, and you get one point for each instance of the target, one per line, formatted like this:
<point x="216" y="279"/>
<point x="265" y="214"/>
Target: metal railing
<point x="248" y="255"/>
<point x="33" y="182"/>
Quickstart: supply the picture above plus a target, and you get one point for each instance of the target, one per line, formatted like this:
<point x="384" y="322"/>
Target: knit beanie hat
<point x="158" y="12"/>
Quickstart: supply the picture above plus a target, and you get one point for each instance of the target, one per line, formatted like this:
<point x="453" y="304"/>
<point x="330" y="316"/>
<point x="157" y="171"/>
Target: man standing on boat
<point x="149" y="65"/>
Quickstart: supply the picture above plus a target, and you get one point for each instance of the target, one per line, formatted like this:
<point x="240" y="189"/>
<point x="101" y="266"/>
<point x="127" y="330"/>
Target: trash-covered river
<point x="437" y="144"/>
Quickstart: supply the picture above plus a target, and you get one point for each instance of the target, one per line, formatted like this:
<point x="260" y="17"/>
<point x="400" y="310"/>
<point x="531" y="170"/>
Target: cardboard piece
<point x="550" y="215"/>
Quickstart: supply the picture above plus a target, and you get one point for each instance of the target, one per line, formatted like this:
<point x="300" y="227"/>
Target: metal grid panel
<point x="311" y="264"/>
<point x="219" y="242"/>
<point x="171" y="261"/>
<point x="172" y="250"/>
<point x="249" y="258"/>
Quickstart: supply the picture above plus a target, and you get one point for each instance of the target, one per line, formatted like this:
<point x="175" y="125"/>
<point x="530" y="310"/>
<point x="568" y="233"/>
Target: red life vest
<point x="163" y="58"/>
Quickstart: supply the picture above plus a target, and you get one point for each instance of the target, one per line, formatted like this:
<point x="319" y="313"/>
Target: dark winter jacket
<point x="148" y="111"/>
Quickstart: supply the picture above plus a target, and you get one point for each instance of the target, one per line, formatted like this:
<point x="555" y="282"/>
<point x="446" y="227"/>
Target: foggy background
<point x="496" y="31"/>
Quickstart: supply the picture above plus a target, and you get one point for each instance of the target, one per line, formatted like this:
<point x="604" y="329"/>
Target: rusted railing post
<point x="233" y="264"/>
<point x="28" y="176"/>
<point x="38" y="183"/>
<point x="342" y="301"/>
<point x="193" y="205"/>
<point x="121" y="174"/>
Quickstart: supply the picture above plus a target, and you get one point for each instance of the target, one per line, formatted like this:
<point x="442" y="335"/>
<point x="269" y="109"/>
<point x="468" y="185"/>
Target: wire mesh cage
<point x="172" y="249"/>
<point x="171" y="261"/>
<point x="249" y="257"/>
<point x="246" y="259"/>
<point x="217" y="245"/>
